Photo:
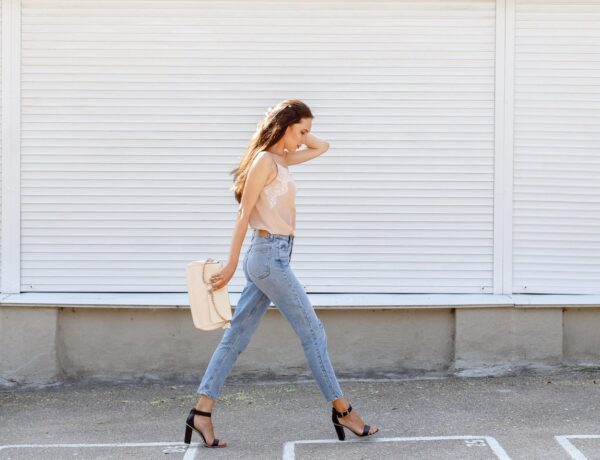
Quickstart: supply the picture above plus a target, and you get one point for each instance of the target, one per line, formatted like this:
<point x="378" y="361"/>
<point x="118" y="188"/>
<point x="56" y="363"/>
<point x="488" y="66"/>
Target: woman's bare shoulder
<point x="264" y="158"/>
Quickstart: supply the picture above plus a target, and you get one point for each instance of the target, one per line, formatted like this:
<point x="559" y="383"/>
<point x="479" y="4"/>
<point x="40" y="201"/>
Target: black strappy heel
<point x="339" y="428"/>
<point x="189" y="426"/>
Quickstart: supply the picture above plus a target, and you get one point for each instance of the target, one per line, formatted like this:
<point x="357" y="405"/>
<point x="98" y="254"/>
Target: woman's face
<point x="295" y="135"/>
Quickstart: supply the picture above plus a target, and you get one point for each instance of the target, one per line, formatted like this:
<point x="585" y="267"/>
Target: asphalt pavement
<point x="548" y="416"/>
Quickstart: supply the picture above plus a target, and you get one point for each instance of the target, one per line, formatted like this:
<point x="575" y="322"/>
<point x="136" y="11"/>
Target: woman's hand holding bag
<point x="222" y="277"/>
<point x="210" y="307"/>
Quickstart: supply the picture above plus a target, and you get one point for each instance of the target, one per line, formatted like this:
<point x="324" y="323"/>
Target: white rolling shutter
<point x="134" y="112"/>
<point x="557" y="147"/>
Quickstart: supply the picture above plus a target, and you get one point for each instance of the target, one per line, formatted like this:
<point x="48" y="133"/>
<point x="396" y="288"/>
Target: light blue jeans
<point x="270" y="278"/>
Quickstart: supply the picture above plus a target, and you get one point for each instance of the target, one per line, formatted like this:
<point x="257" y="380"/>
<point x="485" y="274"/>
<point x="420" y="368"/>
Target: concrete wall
<point x="40" y="345"/>
<point x="581" y="336"/>
<point x="498" y="337"/>
<point x="28" y="352"/>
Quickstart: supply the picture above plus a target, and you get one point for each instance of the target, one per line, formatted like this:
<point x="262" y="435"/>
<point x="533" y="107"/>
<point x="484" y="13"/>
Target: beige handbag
<point x="210" y="310"/>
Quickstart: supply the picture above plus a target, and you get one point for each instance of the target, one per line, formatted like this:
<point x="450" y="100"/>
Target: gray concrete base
<point x="28" y="351"/>
<point x="40" y="345"/>
<point x="488" y="337"/>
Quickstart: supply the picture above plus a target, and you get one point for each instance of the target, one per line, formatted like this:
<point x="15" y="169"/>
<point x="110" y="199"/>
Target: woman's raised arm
<point x="314" y="148"/>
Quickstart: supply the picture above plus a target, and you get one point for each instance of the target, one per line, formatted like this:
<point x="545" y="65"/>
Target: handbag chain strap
<point x="210" y="292"/>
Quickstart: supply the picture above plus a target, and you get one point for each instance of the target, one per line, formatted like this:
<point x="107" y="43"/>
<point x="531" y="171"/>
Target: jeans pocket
<point x="259" y="262"/>
<point x="283" y="253"/>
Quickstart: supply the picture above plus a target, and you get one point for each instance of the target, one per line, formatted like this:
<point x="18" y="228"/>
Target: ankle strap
<point x="343" y="414"/>
<point x="199" y="412"/>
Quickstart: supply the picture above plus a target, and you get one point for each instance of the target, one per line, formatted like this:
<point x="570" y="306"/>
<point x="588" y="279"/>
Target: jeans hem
<point x="205" y="393"/>
<point x="334" y="398"/>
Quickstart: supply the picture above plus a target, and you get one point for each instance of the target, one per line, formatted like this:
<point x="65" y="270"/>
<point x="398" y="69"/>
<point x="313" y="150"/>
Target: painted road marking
<point x="190" y="454"/>
<point x="169" y="447"/>
<point x="573" y="451"/>
<point x="289" y="449"/>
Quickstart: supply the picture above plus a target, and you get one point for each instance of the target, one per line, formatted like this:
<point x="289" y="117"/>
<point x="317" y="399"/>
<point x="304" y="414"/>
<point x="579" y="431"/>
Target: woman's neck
<point x="278" y="149"/>
<point x="280" y="155"/>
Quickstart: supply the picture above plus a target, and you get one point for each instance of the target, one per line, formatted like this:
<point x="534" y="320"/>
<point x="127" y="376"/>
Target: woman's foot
<point x="199" y="420"/>
<point x="351" y="419"/>
<point x="353" y="422"/>
<point x="204" y="424"/>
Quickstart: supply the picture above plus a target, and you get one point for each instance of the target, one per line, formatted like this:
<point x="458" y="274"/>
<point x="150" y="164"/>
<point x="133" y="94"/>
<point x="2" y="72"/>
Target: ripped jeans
<point x="270" y="278"/>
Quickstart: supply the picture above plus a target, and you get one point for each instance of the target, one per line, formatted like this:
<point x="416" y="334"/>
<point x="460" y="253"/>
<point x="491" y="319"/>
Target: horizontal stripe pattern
<point x="556" y="213"/>
<point x="135" y="112"/>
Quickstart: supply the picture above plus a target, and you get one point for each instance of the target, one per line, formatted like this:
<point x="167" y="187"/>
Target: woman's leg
<point x="286" y="292"/>
<point x="246" y="317"/>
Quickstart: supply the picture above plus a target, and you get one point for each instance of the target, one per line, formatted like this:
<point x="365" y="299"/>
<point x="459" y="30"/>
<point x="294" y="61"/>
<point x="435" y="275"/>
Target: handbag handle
<point x="209" y="289"/>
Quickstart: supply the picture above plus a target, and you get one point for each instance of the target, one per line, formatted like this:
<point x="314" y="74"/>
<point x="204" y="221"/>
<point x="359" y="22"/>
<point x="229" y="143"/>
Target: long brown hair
<point x="269" y="131"/>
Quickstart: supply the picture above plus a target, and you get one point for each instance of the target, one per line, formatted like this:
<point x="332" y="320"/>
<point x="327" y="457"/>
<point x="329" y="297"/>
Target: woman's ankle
<point x="205" y="404"/>
<point x="340" y="404"/>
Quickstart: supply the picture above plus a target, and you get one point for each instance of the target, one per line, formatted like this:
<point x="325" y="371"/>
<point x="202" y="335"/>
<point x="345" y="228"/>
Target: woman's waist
<point x="265" y="235"/>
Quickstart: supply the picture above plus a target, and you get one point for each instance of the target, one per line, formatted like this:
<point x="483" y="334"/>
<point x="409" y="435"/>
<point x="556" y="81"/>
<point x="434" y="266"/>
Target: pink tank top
<point x="275" y="209"/>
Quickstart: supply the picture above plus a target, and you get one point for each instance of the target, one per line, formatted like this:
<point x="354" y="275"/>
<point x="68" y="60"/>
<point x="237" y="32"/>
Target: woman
<point x="266" y="193"/>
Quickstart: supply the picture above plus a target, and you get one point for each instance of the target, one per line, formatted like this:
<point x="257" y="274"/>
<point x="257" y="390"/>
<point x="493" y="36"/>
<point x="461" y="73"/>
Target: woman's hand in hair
<point x="222" y="278"/>
<point x="313" y="142"/>
<point x="314" y="148"/>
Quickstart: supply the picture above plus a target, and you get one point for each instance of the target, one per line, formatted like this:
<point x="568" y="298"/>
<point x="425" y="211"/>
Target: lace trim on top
<point x="278" y="187"/>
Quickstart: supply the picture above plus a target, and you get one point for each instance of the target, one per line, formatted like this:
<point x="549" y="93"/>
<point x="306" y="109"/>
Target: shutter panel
<point x="126" y="145"/>
<point x="557" y="148"/>
<point x="134" y="113"/>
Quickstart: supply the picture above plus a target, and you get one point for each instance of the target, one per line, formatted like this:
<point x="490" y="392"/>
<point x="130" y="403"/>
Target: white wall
<point x="133" y="114"/>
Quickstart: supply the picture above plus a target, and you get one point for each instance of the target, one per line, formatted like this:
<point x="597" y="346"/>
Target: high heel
<point x="339" y="428"/>
<point x="189" y="426"/>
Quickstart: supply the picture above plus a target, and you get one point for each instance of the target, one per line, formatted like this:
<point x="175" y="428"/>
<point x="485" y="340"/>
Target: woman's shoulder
<point x="266" y="158"/>
<point x="277" y="159"/>
<point x="263" y="153"/>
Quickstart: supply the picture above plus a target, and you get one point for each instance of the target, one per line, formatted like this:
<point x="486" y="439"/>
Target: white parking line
<point x="190" y="451"/>
<point x="573" y="451"/>
<point x="290" y="447"/>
